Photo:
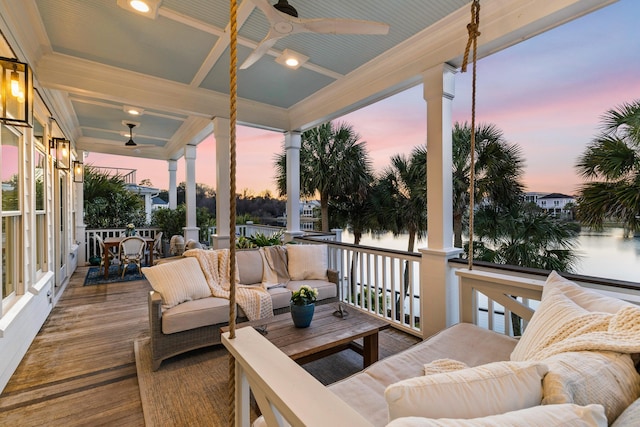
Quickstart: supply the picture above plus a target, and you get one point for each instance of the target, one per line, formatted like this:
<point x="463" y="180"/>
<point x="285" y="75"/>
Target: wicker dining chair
<point x="113" y="258"/>
<point x="132" y="252"/>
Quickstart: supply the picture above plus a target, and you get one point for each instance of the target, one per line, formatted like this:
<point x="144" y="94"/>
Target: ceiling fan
<point x="131" y="143"/>
<point x="284" y="21"/>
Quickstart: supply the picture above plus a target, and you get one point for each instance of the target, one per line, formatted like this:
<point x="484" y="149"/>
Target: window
<point x="40" y="162"/>
<point x="11" y="215"/>
<point x="40" y="173"/>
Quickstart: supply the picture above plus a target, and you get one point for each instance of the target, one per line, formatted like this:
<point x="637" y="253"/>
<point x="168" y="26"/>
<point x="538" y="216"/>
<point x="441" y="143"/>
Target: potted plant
<point x="303" y="305"/>
<point x="131" y="230"/>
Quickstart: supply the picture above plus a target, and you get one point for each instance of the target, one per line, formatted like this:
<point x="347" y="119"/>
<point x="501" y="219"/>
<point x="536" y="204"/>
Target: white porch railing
<point x="384" y="283"/>
<point x="91" y="247"/>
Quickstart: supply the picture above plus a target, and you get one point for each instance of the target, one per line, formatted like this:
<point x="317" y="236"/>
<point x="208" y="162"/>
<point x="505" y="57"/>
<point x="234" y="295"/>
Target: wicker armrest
<point x="333" y="276"/>
<point x="155" y="311"/>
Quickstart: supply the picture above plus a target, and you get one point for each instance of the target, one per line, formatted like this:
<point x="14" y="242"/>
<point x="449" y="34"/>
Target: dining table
<point x="114" y="242"/>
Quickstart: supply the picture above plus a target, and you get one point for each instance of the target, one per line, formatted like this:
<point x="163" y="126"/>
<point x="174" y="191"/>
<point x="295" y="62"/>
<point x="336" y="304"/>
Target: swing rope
<point x="474" y="33"/>
<point x="233" y="89"/>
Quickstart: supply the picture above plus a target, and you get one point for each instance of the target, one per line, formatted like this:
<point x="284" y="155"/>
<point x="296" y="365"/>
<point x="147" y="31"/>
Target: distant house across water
<point x="554" y="203"/>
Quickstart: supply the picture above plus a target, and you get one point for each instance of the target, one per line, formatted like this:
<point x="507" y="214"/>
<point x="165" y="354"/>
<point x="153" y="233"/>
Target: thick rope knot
<point x="474" y="33"/>
<point x="472" y="28"/>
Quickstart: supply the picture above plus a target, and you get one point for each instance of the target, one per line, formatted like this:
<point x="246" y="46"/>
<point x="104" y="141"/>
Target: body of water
<point x="601" y="254"/>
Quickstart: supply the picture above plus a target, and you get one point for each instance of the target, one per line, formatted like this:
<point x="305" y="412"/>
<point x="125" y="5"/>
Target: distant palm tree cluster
<point x="611" y="164"/>
<point x="335" y="164"/>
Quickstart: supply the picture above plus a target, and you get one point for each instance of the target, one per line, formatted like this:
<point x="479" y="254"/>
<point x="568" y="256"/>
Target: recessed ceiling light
<point x="140" y="6"/>
<point x="291" y="59"/>
<point x="134" y="111"/>
<point x="148" y="8"/>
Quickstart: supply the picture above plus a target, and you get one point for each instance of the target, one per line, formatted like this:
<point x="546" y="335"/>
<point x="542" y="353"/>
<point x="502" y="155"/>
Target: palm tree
<point x="333" y="161"/>
<point x="526" y="236"/>
<point x="356" y="210"/>
<point x="498" y="172"/>
<point x="402" y="202"/>
<point x="403" y="196"/>
<point x="612" y="163"/>
<point x="107" y="202"/>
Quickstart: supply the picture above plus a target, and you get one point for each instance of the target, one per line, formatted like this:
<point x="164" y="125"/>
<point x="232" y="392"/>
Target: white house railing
<point x="382" y="282"/>
<point x="91" y="246"/>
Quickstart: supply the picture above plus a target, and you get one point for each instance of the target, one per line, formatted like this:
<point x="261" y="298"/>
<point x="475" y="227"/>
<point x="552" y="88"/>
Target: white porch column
<point x="292" y="143"/>
<point x="173" y="186"/>
<point x="191" y="230"/>
<point x="80" y="225"/>
<point x="438" y="285"/>
<point x="221" y="132"/>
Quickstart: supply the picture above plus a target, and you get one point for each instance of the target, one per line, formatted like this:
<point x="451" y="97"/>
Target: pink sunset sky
<point x="546" y="94"/>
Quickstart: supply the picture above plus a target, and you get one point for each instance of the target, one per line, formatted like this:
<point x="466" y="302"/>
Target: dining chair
<point x="132" y="252"/>
<point x="156" y="248"/>
<point x="113" y="259"/>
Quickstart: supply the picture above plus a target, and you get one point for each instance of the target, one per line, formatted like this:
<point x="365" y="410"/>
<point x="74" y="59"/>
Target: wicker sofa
<point x="183" y="316"/>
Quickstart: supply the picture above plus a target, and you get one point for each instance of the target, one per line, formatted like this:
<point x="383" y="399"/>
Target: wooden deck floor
<point x="80" y="370"/>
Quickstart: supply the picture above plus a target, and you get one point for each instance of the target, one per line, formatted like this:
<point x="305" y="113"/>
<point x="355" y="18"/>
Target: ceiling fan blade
<point x="344" y="26"/>
<point x="261" y="49"/>
<point x="139" y="146"/>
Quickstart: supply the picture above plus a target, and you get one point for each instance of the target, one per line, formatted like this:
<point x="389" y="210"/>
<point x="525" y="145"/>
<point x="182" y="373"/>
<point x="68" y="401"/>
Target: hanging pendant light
<point x="16" y="104"/>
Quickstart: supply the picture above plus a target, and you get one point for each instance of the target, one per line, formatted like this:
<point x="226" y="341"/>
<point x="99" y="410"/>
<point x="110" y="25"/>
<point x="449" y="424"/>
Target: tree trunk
<point x="324" y="211"/>
<point x="457" y="231"/>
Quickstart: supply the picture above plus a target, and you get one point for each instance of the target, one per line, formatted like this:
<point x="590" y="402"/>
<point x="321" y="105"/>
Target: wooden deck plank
<point x="80" y="369"/>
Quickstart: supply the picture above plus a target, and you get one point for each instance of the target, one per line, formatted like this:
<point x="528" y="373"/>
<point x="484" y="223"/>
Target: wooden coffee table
<point x="327" y="334"/>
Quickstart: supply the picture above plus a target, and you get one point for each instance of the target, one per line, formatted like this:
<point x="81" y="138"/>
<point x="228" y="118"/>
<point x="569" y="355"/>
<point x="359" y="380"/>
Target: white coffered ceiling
<point x="91" y="58"/>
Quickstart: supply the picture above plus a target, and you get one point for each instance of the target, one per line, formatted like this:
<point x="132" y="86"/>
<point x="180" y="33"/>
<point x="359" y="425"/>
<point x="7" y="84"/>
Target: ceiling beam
<point x="90" y="79"/>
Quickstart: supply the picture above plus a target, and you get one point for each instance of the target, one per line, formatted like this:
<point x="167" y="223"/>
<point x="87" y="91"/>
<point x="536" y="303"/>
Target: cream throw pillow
<point x="586" y="377"/>
<point x="566" y="309"/>
<point x="483" y="390"/>
<point x="178" y="281"/>
<point x="586" y="298"/>
<point x="630" y="417"/>
<point x="554" y="311"/>
<point x="307" y="262"/>
<point x="566" y="415"/>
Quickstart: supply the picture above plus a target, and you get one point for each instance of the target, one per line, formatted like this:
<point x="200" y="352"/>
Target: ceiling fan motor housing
<point x="284" y="7"/>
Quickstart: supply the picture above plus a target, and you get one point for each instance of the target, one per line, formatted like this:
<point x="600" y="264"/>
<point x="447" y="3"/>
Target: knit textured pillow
<point x="585" y="377"/>
<point x="178" y="281"/>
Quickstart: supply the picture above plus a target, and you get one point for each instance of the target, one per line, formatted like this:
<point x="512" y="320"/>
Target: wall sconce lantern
<point x="63" y="150"/>
<point x="16" y="105"/>
<point x="78" y="171"/>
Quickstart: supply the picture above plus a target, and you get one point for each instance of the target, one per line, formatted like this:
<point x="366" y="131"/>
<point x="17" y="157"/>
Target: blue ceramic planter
<point x="302" y="315"/>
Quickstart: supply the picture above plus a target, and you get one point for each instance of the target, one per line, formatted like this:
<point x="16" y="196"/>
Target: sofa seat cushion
<point x="467" y="343"/>
<point x="325" y="289"/>
<point x="195" y="314"/>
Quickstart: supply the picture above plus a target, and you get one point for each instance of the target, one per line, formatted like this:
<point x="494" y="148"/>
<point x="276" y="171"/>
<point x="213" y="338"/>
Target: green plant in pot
<point x="303" y="305"/>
